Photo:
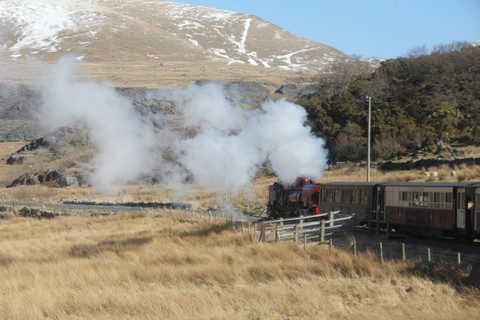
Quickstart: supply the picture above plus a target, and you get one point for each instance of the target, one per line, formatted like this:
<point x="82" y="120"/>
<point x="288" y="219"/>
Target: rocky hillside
<point x="20" y="105"/>
<point x="137" y="32"/>
<point x="421" y="105"/>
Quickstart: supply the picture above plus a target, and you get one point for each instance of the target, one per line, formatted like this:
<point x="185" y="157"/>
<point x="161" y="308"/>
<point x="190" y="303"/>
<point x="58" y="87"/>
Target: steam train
<point x="449" y="209"/>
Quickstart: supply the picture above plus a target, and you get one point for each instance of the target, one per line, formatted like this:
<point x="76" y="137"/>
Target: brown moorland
<point x="145" y="266"/>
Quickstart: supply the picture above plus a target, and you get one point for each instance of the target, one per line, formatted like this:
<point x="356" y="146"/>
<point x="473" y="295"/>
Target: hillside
<point x="140" y="42"/>
<point x="421" y="105"/>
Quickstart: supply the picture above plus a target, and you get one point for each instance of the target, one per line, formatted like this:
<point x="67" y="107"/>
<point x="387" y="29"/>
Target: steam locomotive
<point x="433" y="209"/>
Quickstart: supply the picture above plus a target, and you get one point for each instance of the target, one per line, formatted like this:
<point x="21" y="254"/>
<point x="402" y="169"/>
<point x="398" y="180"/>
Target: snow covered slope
<point x="150" y="31"/>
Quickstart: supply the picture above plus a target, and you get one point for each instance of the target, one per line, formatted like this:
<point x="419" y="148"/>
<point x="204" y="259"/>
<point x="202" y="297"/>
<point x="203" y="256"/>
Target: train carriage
<point x="437" y="209"/>
<point x="349" y="197"/>
<point x="424" y="208"/>
<point x="431" y="208"/>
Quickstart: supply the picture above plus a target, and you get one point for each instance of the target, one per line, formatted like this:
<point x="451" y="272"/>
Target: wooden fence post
<point x="385" y="217"/>
<point x="381" y="252"/>
<point x="459" y="260"/>
<point x="355" y="247"/>
<point x="281" y="222"/>
<point x="331" y="218"/>
<point x="304" y="241"/>
<point x="429" y="256"/>
<point x="262" y="232"/>
<point x="322" y="232"/>
<point x="404" y="255"/>
<point x="331" y="244"/>
<point x="276" y="233"/>
<point x="254" y="231"/>
<point x="295" y="232"/>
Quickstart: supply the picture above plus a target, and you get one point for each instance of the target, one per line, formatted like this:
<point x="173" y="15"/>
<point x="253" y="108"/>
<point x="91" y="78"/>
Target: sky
<point x="369" y="28"/>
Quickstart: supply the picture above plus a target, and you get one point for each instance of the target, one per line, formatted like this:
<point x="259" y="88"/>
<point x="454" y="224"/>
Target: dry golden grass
<point x="198" y="196"/>
<point x="7" y="148"/>
<point x="169" y="267"/>
<point x="441" y="173"/>
<point x="40" y="160"/>
<point x="136" y="193"/>
<point x="7" y="173"/>
<point x="161" y="74"/>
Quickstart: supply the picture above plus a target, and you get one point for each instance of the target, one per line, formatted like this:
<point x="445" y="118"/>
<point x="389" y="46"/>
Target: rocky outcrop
<point x="24" y="179"/>
<point x="286" y="88"/>
<point x="36" y="213"/>
<point x="15" y="159"/>
<point x="53" y="178"/>
<point x="19" y="105"/>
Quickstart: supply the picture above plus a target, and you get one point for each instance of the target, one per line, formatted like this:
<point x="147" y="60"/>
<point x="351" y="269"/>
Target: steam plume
<point x="122" y="138"/>
<point x="225" y="148"/>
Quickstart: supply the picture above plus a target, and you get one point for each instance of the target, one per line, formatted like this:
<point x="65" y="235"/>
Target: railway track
<point x="112" y="208"/>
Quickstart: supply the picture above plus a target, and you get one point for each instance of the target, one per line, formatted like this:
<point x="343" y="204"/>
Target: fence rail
<point x="395" y="250"/>
<point x="307" y="228"/>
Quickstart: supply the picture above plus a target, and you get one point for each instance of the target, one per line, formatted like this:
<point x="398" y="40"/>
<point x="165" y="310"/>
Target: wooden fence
<point x="397" y="250"/>
<point x="303" y="228"/>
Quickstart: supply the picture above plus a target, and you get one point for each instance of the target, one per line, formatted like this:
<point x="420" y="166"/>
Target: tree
<point x="349" y="144"/>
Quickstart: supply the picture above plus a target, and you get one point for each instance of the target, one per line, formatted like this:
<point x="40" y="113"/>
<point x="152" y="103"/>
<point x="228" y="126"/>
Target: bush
<point x="416" y="102"/>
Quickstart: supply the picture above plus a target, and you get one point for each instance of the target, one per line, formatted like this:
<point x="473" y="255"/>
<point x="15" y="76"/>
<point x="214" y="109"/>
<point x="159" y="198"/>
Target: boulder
<point x="15" y="159"/>
<point x="35" y="144"/>
<point x="52" y="178"/>
<point x="24" y="179"/>
<point x="67" y="181"/>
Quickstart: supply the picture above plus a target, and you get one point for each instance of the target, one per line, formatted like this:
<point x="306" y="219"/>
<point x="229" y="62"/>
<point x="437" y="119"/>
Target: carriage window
<point x="330" y="196"/>
<point x="355" y="197"/>
<point x="324" y="195"/>
<point x="363" y="194"/>
<point x="347" y="196"/>
<point x="426" y="197"/>
<point x="436" y="197"/>
<point x="416" y="196"/>
<point x="460" y="200"/>
<point x="448" y="198"/>
<point x="338" y="196"/>
<point x="404" y="196"/>
<point x="409" y="196"/>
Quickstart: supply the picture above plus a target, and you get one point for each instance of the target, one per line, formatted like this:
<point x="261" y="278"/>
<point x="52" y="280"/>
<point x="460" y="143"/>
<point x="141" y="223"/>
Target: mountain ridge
<point x="154" y="32"/>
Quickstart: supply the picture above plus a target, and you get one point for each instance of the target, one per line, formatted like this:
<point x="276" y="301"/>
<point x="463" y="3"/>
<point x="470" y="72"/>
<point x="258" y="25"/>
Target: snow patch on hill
<point x="42" y="26"/>
<point x="46" y="27"/>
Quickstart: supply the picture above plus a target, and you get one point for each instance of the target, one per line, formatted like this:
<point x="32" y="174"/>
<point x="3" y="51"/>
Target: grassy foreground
<point x="140" y="266"/>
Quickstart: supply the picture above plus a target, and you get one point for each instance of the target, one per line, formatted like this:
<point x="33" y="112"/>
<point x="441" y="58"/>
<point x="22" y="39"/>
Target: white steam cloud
<point x="122" y="138"/>
<point x="224" y="148"/>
